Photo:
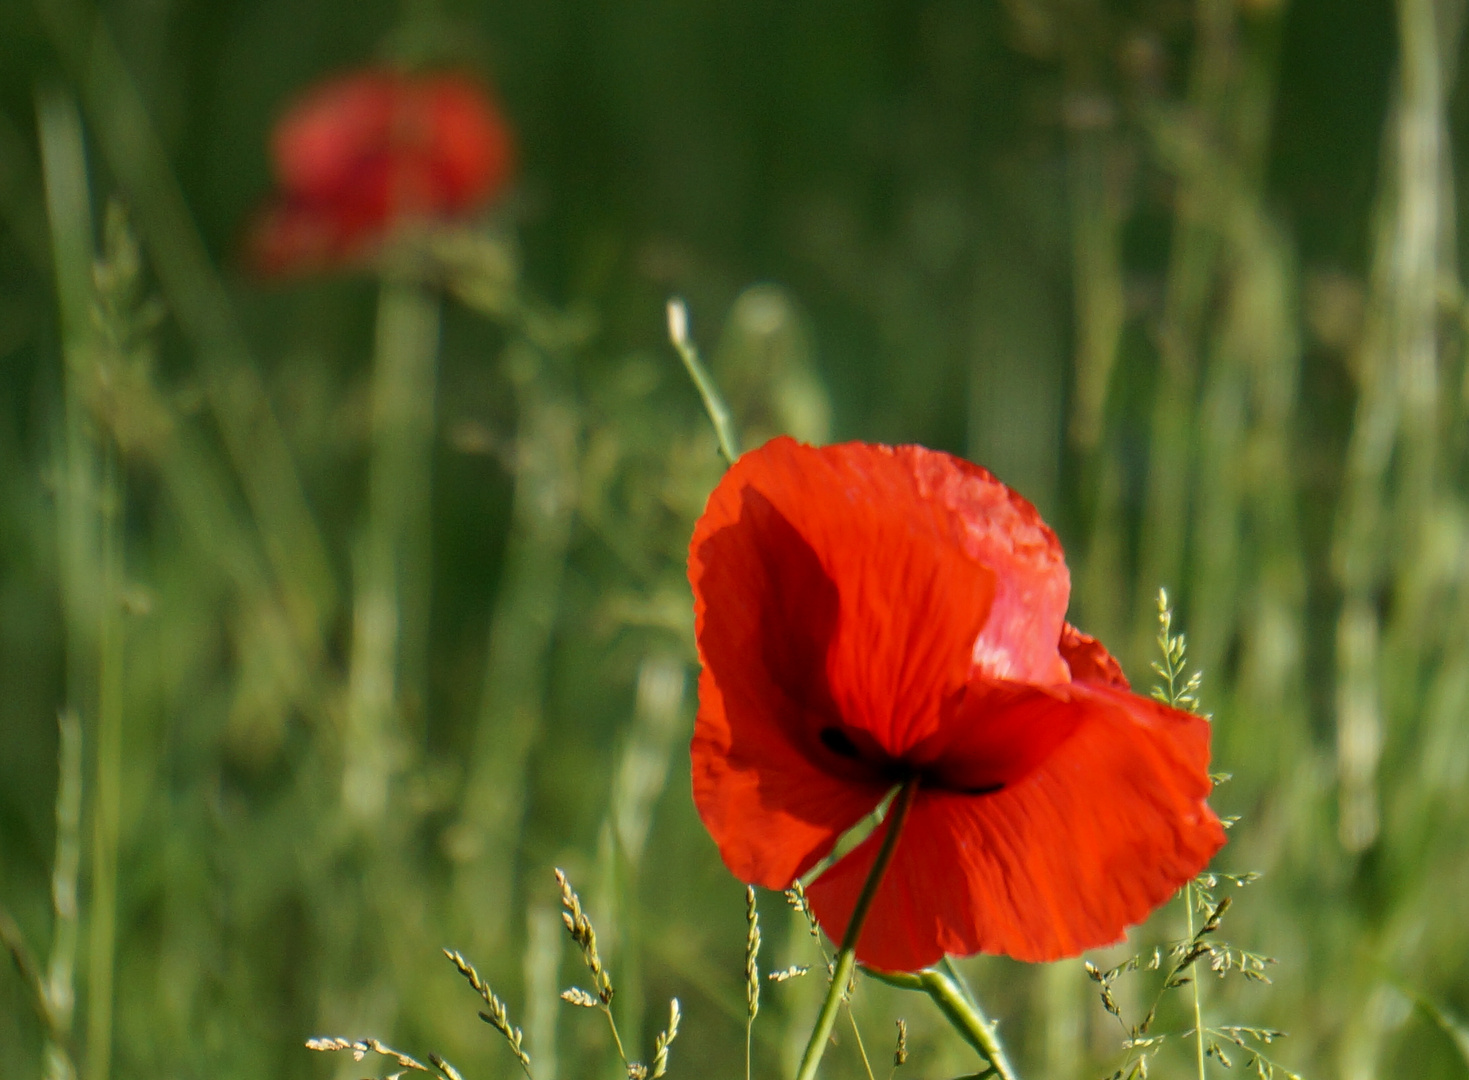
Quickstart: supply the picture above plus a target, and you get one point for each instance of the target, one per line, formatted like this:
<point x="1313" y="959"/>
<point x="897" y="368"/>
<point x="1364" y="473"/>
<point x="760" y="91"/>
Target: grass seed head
<point x="581" y="931"/>
<point x="752" y="954"/>
<point x="665" y="1040"/>
<point x="360" y="1048"/>
<point x="796" y="897"/>
<point x="496" y="1015"/>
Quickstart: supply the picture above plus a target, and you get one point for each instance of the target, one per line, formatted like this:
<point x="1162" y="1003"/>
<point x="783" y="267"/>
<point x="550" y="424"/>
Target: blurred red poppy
<point x="868" y="615"/>
<point x="362" y="153"/>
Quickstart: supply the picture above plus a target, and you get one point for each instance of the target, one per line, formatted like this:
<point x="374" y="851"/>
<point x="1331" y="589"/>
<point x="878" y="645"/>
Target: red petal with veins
<point x="839" y="593"/>
<point x="1107" y="826"/>
<point x="871" y="615"/>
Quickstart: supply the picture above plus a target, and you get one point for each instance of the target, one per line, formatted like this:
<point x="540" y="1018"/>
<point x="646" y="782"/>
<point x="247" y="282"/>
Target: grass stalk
<point x="1198" y="994"/>
<point x="59" y="989"/>
<point x="391" y="579"/>
<point x="714" y="404"/>
<point x="638" y="782"/>
<point x="752" y="971"/>
<point x="1097" y="279"/>
<point x="88" y="543"/>
<point x="985" y="1030"/>
<point x="1393" y="479"/>
<point x="847" y="954"/>
<point x="251" y="433"/>
<point x="52" y="990"/>
<point x="1193" y="268"/>
<point x="947" y="990"/>
<point x="485" y="838"/>
<point x="107" y="805"/>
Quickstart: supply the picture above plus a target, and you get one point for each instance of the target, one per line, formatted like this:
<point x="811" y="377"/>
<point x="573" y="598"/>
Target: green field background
<point x="327" y="687"/>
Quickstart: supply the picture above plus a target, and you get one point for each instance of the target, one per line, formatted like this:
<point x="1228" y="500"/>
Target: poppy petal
<point x="940" y="567"/>
<point x="361" y="154"/>
<point x="470" y="148"/>
<point x="1000" y="733"/>
<point x="1004" y="532"/>
<point x="836" y="607"/>
<point x="1089" y="661"/>
<point x="288" y="238"/>
<point x="772" y="812"/>
<point x="1108" y="826"/>
<point x="832" y="581"/>
<point x="319" y="145"/>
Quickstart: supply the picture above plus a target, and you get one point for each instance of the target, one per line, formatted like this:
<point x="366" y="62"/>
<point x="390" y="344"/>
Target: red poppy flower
<point x="364" y="152"/>
<point x="868" y="615"/>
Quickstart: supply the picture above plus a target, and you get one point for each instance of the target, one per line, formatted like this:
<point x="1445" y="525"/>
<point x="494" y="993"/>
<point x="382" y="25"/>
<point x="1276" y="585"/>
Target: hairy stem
<point x="714" y="403"/>
<point x="1188" y="900"/>
<point x="847" y="955"/>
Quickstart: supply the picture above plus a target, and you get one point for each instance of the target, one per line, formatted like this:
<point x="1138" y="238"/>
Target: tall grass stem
<point x="59" y="987"/>
<point x="847" y="954"/>
<point x="130" y="143"/>
<point x="86" y="500"/>
<point x="391" y="578"/>
<point x="1198" y="995"/>
<point x="485" y="839"/>
<point x="714" y="403"/>
<point x="107" y="793"/>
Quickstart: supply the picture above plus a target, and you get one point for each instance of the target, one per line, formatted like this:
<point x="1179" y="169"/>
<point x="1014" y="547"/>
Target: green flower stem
<point x="959" y="1008"/>
<point x="847" y="956"/>
<point x="388" y="606"/>
<point x="714" y="403"/>
<point x="88" y="495"/>
<point x="1188" y="903"/>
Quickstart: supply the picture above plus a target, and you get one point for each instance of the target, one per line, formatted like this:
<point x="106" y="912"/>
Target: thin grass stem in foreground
<point x="1188" y="903"/>
<point x="752" y="971"/>
<point x="847" y="955"/>
<point x="484" y="841"/>
<point x="107" y="807"/>
<point x="960" y="1008"/>
<point x="714" y="403"/>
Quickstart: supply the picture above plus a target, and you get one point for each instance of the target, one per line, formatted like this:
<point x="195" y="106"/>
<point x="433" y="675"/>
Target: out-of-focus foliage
<point x="366" y="596"/>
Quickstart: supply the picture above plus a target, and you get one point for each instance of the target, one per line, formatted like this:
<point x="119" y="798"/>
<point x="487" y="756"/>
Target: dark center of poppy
<point x="840" y="743"/>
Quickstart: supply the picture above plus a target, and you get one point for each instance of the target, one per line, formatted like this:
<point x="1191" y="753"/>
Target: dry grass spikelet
<point x="752" y="954"/>
<point x="581" y="931"/>
<point x="497" y="1016"/>
<point x="796" y="897"/>
<point x="665" y="1040"/>
<point x="362" y="1047"/>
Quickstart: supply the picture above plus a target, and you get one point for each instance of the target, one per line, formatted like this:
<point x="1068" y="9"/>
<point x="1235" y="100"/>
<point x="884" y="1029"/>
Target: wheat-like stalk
<point x="497" y="1016"/>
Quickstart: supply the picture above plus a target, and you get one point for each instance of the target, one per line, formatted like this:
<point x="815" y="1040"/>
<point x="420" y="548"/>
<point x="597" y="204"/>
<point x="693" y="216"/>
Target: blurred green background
<point x="361" y="597"/>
